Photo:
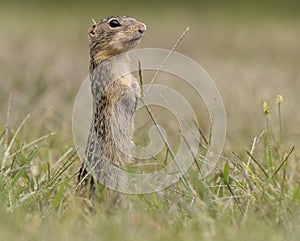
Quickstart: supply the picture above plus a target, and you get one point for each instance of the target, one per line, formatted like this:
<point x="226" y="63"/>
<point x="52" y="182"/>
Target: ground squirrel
<point x="114" y="98"/>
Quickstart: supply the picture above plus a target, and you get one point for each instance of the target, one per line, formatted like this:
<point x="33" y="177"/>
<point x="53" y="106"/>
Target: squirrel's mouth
<point x="136" y="38"/>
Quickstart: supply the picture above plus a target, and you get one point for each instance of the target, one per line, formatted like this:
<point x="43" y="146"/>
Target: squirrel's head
<point x="114" y="35"/>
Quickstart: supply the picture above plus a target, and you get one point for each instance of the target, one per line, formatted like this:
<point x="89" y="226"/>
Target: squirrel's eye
<point x="114" y="23"/>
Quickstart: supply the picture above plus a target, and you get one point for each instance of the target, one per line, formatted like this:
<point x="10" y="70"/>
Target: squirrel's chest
<point x="128" y="101"/>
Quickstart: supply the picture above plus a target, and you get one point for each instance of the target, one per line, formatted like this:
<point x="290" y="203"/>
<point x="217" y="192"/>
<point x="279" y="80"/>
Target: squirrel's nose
<point x="142" y="28"/>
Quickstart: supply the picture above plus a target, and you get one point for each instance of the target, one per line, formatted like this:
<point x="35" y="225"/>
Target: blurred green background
<point x="250" y="48"/>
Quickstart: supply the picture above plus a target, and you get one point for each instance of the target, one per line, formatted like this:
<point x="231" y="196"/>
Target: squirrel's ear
<point x="92" y="29"/>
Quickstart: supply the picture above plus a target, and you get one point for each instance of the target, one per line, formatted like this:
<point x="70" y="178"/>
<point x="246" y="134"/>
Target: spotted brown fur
<point x="114" y="100"/>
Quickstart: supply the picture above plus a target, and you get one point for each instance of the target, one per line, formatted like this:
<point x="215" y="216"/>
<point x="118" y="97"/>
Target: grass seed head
<point x="279" y="99"/>
<point x="265" y="107"/>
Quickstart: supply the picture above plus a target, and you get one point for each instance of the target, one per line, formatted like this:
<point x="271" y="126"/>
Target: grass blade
<point x="283" y="162"/>
<point x="6" y="153"/>
<point x="26" y="164"/>
<point x="59" y="195"/>
<point x="257" y="163"/>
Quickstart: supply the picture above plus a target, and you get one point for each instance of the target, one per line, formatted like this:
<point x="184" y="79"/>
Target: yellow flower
<point x="279" y="99"/>
<point x="265" y="107"/>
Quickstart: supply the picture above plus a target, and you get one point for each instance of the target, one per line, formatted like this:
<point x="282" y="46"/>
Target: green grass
<point x="253" y="194"/>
